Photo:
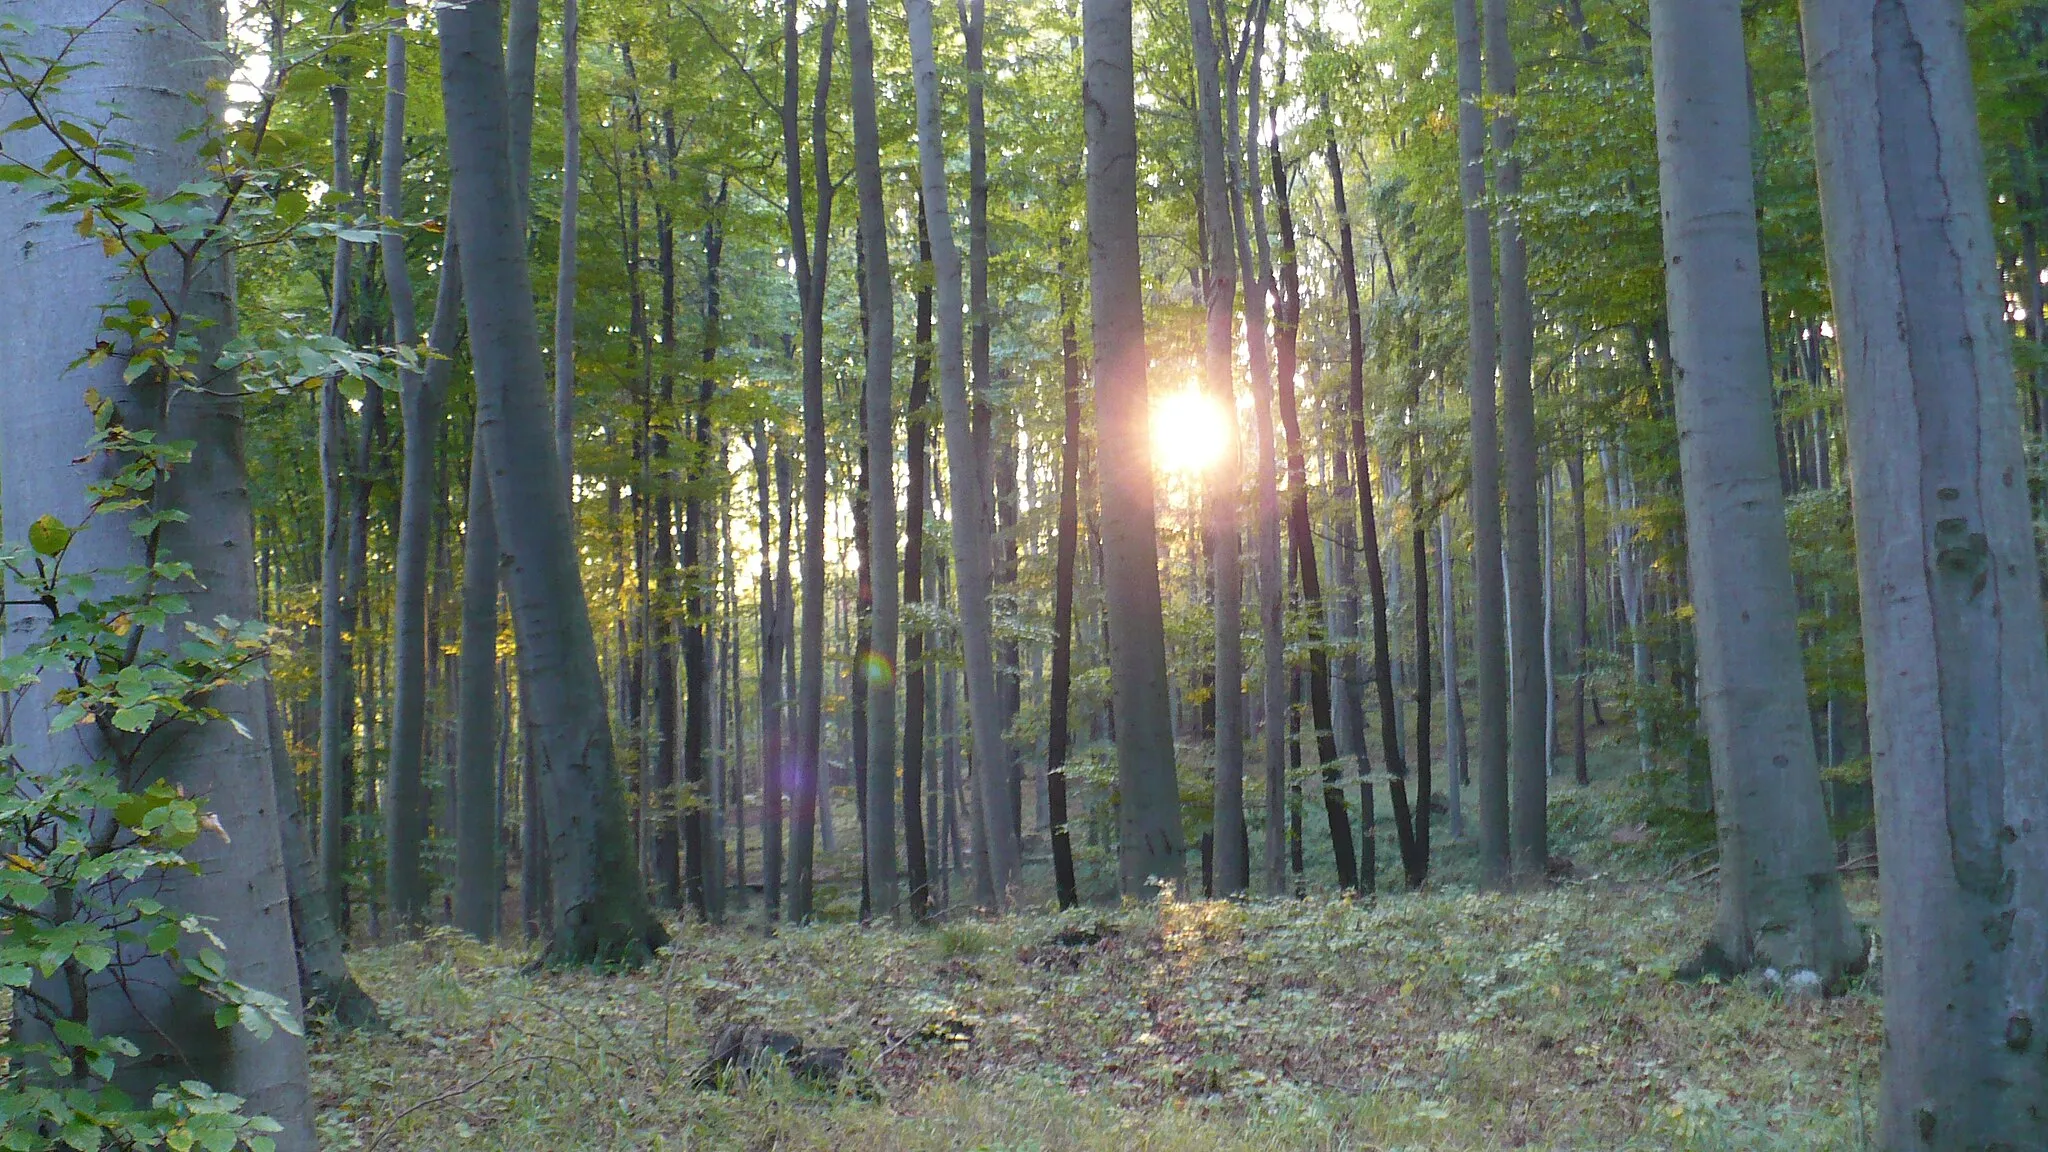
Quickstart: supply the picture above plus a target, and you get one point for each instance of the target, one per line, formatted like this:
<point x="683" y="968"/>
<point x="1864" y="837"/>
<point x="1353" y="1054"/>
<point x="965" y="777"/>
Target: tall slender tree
<point x="1225" y="550"/>
<point x="1530" y="704"/>
<point x="880" y="420"/>
<point x="1483" y="349"/>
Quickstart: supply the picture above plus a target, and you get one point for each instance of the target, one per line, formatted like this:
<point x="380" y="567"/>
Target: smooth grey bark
<point x="1225" y="547"/>
<point x="478" y="795"/>
<point x="323" y="965"/>
<point x="973" y="551"/>
<point x="1530" y="828"/>
<point x="1781" y="903"/>
<point x="565" y="263"/>
<point x="600" y="910"/>
<point x="1489" y="607"/>
<point x="879" y="397"/>
<point x="1956" y="666"/>
<point x="158" y="66"/>
<point x="422" y="397"/>
<point x="1151" y="844"/>
<point x="811" y="270"/>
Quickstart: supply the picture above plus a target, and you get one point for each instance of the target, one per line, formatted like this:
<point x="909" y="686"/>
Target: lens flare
<point x="1189" y="433"/>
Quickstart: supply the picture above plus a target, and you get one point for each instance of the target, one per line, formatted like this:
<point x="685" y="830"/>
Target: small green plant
<point x="86" y="841"/>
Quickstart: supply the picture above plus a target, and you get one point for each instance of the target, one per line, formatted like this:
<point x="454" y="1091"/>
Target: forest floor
<point x="1443" y="1020"/>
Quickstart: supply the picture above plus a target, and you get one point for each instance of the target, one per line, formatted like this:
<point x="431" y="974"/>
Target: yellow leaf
<point x="111" y="245"/>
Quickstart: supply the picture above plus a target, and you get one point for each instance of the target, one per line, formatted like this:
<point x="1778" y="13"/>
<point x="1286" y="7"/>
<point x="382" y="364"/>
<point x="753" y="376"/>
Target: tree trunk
<point x="422" y="398"/>
<point x="565" y="263"/>
<point x="1300" y="532"/>
<point x="1255" y="258"/>
<point x="769" y="686"/>
<point x="323" y="963"/>
<point x="701" y="799"/>
<point x="600" y="909"/>
<point x="1530" y="827"/>
<point x="1955" y="660"/>
<point x="1489" y="609"/>
<point x="478" y="797"/>
<point x="159" y="65"/>
<point x="337" y="611"/>
<point x="996" y="856"/>
<point x="810" y="277"/>
<point x="1064" y="885"/>
<point x="1151" y="844"/>
<point x="1455" y="765"/>
<point x="1781" y="904"/>
<point x="880" y="419"/>
<point x="1349" y="871"/>
<point x="1582" y="631"/>
<point x="917" y="674"/>
<point x="1224" y="539"/>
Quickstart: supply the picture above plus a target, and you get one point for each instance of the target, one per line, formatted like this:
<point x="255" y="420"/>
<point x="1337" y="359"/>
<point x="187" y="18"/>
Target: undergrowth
<point x="1447" y="1020"/>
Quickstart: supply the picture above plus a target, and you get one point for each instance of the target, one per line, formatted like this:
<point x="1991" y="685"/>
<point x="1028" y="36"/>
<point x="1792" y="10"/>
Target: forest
<point x="1057" y="575"/>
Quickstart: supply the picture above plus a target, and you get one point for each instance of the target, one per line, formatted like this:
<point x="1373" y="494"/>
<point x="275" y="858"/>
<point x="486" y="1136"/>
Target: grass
<point x="1444" y="1020"/>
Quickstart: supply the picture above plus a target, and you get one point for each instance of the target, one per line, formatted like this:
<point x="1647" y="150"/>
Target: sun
<point x="1189" y="433"/>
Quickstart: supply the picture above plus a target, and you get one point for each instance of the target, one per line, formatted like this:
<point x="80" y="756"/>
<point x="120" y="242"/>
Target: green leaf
<point x="49" y="536"/>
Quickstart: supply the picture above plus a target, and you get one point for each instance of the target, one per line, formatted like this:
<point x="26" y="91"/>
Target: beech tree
<point x="1781" y="904"/>
<point x="1952" y="625"/>
<point x="600" y="911"/>
<point x="188" y="540"/>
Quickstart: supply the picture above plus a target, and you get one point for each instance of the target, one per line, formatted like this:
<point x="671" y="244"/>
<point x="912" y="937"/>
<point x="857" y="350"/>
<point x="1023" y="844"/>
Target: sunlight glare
<point x="1188" y="433"/>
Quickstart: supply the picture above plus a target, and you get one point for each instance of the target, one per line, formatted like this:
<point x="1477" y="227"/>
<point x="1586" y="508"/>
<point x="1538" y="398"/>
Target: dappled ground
<point x="1449" y="1020"/>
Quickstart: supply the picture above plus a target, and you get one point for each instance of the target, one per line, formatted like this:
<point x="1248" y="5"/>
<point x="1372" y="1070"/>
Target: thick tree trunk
<point x="600" y="909"/>
<point x="1781" y="904"/>
<point x="1951" y="593"/>
<point x="1151" y="844"/>
<point x="1489" y="609"/>
<point x="996" y="865"/>
<point x="1530" y="825"/>
<point x="880" y="419"/>
<point x="160" y="67"/>
<point x="1224" y="490"/>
